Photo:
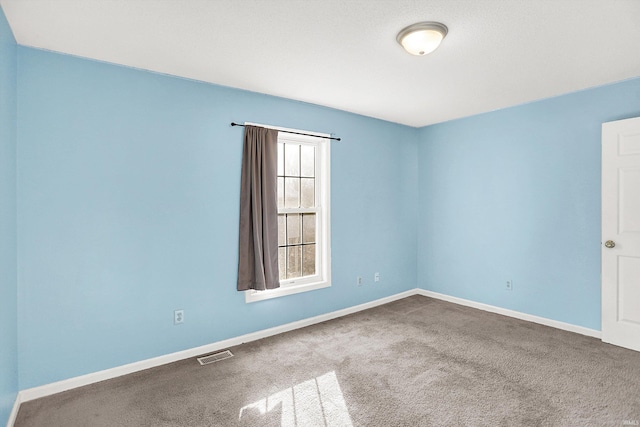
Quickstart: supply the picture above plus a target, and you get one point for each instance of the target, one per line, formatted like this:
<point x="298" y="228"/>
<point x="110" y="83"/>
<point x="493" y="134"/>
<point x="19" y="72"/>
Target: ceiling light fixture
<point x="422" y="38"/>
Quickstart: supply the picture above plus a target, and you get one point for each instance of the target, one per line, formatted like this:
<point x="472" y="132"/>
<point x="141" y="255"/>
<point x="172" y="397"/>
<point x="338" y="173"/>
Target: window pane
<point x="280" y="171"/>
<point x="308" y="260"/>
<point x="292" y="192"/>
<point x="309" y="228"/>
<point x="280" y="193"/>
<point x="282" y="231"/>
<point x="294" y="261"/>
<point x="300" y="193"/>
<point x="292" y="160"/>
<point x="294" y="229"/>
<point x="282" y="263"/>
<point x="307" y="160"/>
<point x="307" y="193"/>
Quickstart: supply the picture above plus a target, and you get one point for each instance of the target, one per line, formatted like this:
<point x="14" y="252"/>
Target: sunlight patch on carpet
<point x="318" y="401"/>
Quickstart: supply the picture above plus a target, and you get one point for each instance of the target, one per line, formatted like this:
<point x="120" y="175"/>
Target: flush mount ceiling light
<point x="422" y="38"/>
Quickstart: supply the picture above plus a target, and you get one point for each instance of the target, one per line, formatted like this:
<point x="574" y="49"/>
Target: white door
<point x="621" y="233"/>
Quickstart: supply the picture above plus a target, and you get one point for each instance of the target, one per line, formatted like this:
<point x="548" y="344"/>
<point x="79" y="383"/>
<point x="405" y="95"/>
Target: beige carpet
<point x="414" y="362"/>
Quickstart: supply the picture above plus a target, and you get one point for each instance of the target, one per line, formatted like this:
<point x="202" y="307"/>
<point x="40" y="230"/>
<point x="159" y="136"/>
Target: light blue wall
<point x="515" y="194"/>
<point x="128" y="200"/>
<point x="8" y="276"/>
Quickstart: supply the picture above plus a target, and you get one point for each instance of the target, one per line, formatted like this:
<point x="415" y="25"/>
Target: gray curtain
<point x="258" y="262"/>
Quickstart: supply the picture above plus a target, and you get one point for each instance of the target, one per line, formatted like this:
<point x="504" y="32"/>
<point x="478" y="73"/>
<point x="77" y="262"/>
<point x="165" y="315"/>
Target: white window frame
<point x="322" y="278"/>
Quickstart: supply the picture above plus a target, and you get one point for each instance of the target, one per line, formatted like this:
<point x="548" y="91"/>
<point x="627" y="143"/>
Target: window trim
<point x="323" y="278"/>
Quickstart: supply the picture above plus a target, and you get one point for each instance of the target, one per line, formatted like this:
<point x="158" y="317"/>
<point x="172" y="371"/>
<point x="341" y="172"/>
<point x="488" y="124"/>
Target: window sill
<point x="255" y="296"/>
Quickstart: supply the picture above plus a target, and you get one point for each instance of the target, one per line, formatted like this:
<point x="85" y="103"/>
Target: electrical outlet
<point x="359" y="280"/>
<point x="376" y="277"/>
<point x="509" y="285"/>
<point x="178" y="317"/>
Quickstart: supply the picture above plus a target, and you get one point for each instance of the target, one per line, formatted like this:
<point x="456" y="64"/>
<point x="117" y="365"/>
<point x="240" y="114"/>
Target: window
<point x="303" y="216"/>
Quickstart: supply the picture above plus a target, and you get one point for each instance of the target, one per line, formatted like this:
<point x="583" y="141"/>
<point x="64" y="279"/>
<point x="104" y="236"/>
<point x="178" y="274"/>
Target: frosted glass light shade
<point x="422" y="38"/>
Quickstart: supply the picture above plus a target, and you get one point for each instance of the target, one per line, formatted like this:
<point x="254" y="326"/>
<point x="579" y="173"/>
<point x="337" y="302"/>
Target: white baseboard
<point x="14" y="412"/>
<point x="68" y="384"/>
<point x="512" y="313"/>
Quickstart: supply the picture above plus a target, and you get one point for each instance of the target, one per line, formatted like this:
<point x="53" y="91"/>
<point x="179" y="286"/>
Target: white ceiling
<point x="343" y="53"/>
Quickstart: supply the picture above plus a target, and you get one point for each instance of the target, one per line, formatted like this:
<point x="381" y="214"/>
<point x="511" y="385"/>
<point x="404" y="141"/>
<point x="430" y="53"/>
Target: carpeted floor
<point x="413" y="362"/>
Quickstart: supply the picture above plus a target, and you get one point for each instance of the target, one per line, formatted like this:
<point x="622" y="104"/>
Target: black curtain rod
<point x="296" y="133"/>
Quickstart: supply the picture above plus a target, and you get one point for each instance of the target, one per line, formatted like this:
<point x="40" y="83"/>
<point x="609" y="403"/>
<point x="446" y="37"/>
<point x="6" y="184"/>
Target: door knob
<point x="610" y="244"/>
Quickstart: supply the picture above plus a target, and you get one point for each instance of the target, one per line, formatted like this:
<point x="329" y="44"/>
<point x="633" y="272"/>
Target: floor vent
<point x="215" y="357"/>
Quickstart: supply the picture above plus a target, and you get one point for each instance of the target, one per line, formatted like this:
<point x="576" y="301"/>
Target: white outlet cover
<point x="178" y="317"/>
